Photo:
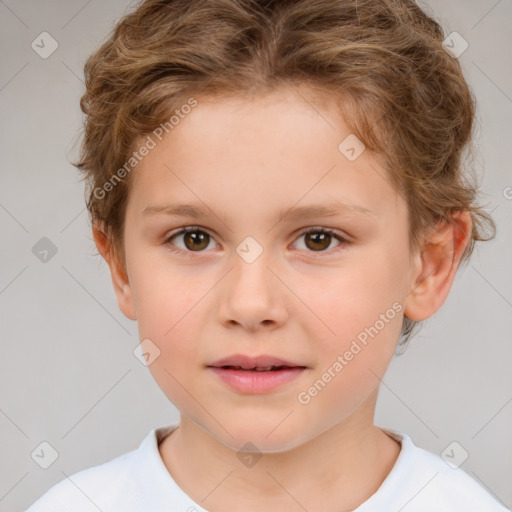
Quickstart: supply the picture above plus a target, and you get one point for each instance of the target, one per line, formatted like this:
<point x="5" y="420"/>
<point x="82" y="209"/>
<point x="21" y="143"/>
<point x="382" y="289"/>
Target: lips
<point x="257" y="382"/>
<point x="256" y="375"/>
<point x="258" y="363"/>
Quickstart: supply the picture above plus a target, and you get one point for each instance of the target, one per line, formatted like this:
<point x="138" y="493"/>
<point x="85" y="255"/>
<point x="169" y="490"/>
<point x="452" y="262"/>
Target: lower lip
<point x="253" y="382"/>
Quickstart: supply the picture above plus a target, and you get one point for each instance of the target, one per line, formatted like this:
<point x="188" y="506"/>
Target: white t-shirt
<point x="139" y="481"/>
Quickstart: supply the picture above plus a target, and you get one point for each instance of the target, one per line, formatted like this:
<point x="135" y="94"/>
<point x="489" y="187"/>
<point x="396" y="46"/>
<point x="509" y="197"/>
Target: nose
<point x="252" y="297"/>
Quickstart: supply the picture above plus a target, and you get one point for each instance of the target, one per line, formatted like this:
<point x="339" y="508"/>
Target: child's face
<point x="243" y="162"/>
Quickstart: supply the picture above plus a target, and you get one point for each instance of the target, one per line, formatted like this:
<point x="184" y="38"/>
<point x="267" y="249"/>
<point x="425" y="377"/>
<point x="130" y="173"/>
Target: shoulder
<point x="122" y="483"/>
<point x="135" y="481"/>
<point x="86" y="489"/>
<point x="453" y="486"/>
<point x="427" y="482"/>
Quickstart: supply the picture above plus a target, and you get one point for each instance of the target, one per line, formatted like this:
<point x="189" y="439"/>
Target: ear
<point x="118" y="272"/>
<point x="436" y="264"/>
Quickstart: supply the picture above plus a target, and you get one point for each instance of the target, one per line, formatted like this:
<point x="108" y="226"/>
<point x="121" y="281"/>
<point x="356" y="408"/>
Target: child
<point x="226" y="143"/>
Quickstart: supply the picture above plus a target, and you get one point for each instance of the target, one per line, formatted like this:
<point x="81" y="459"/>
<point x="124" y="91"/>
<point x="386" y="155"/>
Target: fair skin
<point x="245" y="160"/>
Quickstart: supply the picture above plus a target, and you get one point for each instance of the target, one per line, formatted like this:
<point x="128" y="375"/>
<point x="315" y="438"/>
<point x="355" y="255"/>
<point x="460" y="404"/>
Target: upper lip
<point x="249" y="362"/>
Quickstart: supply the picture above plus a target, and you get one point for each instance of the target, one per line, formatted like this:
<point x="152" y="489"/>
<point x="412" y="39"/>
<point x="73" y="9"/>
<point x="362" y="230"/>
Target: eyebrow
<point x="293" y="213"/>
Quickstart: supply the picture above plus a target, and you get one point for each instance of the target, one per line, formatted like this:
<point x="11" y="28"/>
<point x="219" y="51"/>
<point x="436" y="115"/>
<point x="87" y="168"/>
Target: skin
<point x="246" y="159"/>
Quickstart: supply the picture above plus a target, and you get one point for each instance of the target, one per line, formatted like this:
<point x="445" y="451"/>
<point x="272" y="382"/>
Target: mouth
<point x="255" y="363"/>
<point x="257" y="368"/>
<point x="256" y="375"/>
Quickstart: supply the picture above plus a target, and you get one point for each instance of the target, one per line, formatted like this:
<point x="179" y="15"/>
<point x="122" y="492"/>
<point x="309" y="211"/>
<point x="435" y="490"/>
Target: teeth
<point x="257" y="368"/>
<point x="267" y="368"/>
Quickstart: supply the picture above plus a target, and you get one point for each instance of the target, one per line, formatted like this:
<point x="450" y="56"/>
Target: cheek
<point x="363" y="312"/>
<point x="351" y="363"/>
<point x="169" y="317"/>
<point x="168" y="306"/>
<point x="353" y="298"/>
<point x="165" y="296"/>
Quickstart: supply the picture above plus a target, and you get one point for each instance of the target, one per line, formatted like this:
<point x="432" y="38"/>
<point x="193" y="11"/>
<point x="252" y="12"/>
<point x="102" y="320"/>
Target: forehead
<point x="262" y="153"/>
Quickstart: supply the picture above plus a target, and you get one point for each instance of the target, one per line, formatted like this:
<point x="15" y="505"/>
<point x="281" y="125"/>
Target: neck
<point x="342" y="467"/>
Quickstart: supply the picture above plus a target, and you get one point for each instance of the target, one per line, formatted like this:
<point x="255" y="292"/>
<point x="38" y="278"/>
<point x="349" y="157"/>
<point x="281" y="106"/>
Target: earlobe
<point x="436" y="265"/>
<point x="118" y="273"/>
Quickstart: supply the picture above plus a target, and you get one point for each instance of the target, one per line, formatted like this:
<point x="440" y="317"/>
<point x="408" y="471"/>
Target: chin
<point x="276" y="438"/>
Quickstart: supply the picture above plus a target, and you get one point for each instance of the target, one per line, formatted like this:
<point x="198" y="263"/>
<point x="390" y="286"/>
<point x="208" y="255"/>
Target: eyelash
<point x="192" y="229"/>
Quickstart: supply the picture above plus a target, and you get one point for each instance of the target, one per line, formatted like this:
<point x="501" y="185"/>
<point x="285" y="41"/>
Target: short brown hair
<point x="401" y="92"/>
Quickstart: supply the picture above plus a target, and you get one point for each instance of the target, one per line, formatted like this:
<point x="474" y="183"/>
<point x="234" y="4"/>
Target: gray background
<point x="68" y="375"/>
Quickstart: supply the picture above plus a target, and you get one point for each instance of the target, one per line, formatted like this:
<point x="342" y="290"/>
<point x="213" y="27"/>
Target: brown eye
<point x="318" y="241"/>
<point x="194" y="240"/>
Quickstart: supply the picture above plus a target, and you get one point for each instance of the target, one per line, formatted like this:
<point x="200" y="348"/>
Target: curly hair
<point x="401" y="92"/>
